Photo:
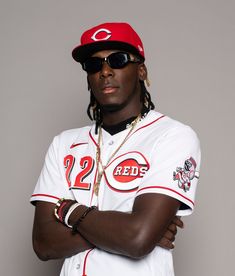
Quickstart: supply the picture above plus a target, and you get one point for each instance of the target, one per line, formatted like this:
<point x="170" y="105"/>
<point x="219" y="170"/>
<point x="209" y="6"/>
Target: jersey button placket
<point x="111" y="143"/>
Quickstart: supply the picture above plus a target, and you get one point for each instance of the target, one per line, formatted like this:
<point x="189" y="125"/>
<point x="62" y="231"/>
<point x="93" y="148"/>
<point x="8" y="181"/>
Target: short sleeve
<point x="174" y="167"/>
<point x="51" y="184"/>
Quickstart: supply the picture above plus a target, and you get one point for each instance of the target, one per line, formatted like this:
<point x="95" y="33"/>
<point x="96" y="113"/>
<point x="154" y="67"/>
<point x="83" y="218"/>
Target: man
<point x="107" y="196"/>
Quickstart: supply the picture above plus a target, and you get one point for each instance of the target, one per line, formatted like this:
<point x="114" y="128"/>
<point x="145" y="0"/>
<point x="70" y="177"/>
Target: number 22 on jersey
<point x="86" y="165"/>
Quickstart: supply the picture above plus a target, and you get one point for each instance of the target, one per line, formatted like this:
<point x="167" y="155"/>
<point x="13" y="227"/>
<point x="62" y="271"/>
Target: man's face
<point x="115" y="89"/>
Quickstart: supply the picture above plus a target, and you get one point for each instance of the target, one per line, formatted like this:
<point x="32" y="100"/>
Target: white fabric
<point x="151" y="161"/>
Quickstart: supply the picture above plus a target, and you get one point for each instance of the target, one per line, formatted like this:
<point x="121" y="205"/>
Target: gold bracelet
<point x="58" y="204"/>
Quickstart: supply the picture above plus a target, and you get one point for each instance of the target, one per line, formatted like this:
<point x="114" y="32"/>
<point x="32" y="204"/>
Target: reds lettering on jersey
<point x="124" y="173"/>
<point x="129" y="170"/>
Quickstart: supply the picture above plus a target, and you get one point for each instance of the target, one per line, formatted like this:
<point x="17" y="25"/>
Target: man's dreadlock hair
<point x="94" y="109"/>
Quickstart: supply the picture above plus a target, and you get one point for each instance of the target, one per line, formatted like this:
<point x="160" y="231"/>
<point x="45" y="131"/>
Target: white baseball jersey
<point x="160" y="156"/>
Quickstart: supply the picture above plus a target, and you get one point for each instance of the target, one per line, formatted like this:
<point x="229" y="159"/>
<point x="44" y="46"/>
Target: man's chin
<point x="109" y="108"/>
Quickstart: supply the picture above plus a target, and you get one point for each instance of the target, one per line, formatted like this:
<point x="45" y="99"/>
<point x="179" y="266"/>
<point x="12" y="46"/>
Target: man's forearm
<point x="53" y="240"/>
<point x="131" y="234"/>
<point x="117" y="232"/>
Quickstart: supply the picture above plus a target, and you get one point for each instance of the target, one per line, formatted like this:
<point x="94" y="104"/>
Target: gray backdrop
<point x="190" y="57"/>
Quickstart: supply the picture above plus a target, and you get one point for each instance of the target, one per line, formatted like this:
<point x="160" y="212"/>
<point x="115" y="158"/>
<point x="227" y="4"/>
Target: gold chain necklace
<point x="101" y="168"/>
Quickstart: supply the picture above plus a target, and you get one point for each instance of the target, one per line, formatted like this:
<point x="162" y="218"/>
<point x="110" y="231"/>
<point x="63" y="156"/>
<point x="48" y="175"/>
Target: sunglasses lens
<point x="115" y="61"/>
<point x="92" y="65"/>
<point x="118" y="60"/>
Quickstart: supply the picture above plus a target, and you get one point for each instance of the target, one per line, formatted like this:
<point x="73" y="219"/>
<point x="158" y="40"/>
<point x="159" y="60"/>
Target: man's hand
<point x="167" y="240"/>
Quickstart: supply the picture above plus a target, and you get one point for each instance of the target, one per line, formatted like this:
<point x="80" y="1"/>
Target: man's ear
<point x="143" y="73"/>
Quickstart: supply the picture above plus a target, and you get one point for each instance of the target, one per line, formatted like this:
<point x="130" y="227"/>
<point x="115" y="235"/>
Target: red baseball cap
<point x="108" y="36"/>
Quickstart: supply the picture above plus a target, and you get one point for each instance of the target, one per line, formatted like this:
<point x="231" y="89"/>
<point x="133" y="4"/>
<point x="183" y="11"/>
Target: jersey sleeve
<point x="51" y="184"/>
<point x="174" y="168"/>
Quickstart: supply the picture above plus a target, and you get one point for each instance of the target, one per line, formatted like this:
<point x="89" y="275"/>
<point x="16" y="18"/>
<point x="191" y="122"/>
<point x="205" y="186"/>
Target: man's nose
<point x="106" y="70"/>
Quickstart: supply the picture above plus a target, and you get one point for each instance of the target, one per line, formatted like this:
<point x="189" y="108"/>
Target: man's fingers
<point x="165" y="243"/>
<point x="178" y="222"/>
<point x="169" y="235"/>
<point x="173" y="228"/>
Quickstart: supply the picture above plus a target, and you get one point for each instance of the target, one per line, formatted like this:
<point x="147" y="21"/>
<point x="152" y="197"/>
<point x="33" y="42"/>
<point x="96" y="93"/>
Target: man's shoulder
<point x="72" y="136"/>
<point x="163" y="121"/>
<point x="164" y="126"/>
<point x="75" y="131"/>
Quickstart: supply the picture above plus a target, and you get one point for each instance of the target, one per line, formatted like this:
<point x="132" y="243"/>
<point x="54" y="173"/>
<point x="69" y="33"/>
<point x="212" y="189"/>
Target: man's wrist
<point x="63" y="210"/>
<point x="77" y="213"/>
<point x="81" y="218"/>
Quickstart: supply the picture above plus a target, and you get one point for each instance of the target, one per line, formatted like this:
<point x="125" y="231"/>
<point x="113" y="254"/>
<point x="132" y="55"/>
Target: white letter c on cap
<point x="107" y="32"/>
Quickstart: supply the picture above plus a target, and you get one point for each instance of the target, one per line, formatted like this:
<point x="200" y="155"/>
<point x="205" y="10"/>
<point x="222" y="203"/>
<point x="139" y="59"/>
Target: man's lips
<point x="108" y="89"/>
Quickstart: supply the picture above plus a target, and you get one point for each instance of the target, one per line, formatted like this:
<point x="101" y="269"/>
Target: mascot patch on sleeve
<point x="185" y="175"/>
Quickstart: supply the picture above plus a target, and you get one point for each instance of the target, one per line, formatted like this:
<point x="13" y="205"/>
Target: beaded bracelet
<point x="76" y="224"/>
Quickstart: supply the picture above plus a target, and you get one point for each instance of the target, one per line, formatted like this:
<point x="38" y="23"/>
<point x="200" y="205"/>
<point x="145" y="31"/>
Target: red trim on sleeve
<point x="165" y="188"/>
<point x="55" y="197"/>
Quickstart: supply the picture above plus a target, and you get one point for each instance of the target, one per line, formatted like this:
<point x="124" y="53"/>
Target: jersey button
<point x="111" y="143"/>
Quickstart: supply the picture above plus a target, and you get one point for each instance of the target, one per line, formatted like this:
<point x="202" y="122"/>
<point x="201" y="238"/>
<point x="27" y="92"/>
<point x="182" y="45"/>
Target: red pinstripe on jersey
<point x="93" y="140"/>
<point x="85" y="262"/>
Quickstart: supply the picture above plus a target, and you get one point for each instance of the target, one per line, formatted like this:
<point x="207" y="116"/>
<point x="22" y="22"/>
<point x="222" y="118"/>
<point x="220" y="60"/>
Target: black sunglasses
<point x="116" y="60"/>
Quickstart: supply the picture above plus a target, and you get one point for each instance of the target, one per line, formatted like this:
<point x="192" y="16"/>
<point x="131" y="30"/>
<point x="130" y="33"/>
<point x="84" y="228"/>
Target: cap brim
<point x="81" y="53"/>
